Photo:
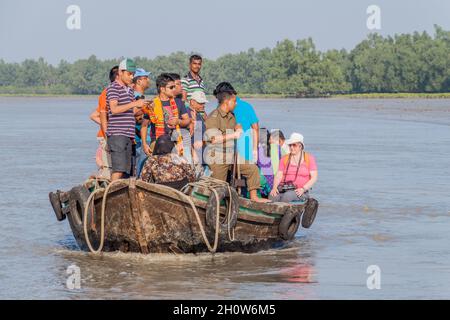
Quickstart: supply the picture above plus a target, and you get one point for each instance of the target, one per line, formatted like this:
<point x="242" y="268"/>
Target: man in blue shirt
<point x="247" y="144"/>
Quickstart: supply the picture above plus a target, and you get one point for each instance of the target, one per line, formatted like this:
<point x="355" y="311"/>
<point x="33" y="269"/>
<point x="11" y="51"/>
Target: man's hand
<point x="138" y="112"/>
<point x="237" y="133"/>
<point x="173" y="122"/>
<point x="146" y="149"/>
<point x="198" y="144"/>
<point x="139" y="103"/>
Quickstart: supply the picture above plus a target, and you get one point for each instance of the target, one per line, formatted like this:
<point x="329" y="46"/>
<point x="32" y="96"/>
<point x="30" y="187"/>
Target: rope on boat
<point x="102" y="218"/>
<point x="212" y="248"/>
<point x="209" y="183"/>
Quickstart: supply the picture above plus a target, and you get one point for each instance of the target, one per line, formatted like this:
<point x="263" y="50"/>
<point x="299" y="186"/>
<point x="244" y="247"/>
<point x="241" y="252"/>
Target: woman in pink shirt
<point x="296" y="175"/>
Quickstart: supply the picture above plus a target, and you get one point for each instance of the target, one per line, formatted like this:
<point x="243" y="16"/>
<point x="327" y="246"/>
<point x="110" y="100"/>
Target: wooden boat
<point x="135" y="216"/>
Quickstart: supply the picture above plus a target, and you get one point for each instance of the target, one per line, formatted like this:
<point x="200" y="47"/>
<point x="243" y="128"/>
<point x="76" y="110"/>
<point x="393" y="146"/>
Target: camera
<point x="285" y="187"/>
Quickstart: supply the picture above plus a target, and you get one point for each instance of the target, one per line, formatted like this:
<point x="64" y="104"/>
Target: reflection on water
<point x="383" y="192"/>
<point x="223" y="275"/>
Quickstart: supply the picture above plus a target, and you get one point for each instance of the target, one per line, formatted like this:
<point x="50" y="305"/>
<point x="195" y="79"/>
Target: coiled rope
<point x="102" y="217"/>
<point x="211" y="184"/>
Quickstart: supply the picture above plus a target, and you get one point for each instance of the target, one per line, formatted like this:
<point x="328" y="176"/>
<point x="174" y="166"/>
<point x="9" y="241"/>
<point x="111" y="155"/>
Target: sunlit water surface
<point x="384" y="186"/>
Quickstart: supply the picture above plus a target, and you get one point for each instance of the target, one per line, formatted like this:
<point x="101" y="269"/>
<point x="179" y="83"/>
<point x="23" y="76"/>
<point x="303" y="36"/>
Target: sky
<point x="113" y="29"/>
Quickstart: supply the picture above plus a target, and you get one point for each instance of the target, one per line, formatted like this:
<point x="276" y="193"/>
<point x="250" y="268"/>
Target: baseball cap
<point x="199" y="96"/>
<point x="127" y="64"/>
<point x="141" y="73"/>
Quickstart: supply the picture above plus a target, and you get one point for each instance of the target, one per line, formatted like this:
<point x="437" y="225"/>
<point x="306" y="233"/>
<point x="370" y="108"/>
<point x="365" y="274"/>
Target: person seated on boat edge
<point x="167" y="114"/>
<point x="221" y="133"/>
<point x="100" y="116"/>
<point x="141" y="82"/>
<point x="297" y="173"/>
<point x="166" y="167"/>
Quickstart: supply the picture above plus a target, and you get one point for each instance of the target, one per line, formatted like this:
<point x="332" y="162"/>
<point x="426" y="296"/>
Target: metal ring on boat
<point x="289" y="224"/>
<point x="310" y="213"/>
<point x="211" y="208"/>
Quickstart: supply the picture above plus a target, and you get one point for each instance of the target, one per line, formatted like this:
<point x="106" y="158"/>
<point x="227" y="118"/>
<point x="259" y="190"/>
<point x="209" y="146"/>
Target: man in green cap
<point x="122" y="105"/>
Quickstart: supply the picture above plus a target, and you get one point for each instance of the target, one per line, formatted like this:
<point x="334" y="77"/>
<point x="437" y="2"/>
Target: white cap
<point x="295" y="138"/>
<point x="199" y="96"/>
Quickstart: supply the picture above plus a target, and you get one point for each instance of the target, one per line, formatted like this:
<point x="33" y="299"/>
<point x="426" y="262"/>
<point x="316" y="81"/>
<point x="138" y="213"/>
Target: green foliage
<point x="404" y="63"/>
<point x="412" y="63"/>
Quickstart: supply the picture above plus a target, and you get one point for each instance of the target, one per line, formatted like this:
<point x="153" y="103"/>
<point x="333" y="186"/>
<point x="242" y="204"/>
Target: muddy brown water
<point x="384" y="192"/>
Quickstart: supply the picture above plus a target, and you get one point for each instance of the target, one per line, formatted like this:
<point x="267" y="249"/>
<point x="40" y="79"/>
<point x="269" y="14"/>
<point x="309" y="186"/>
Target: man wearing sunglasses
<point x="168" y="115"/>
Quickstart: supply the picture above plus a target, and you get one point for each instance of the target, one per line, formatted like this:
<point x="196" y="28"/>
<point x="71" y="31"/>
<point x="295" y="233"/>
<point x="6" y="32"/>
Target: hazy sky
<point x="111" y="28"/>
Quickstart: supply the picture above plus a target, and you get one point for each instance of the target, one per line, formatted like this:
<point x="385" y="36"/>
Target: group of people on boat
<point x="171" y="140"/>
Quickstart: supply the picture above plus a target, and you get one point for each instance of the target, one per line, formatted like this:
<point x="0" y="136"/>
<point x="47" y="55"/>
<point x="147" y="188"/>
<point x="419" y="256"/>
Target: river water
<point x="384" y="186"/>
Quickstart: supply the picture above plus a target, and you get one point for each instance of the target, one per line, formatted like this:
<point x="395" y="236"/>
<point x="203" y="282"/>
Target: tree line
<point x="414" y="62"/>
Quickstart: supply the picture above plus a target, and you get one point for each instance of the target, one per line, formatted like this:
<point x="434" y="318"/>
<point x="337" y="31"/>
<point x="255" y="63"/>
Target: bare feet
<point x="260" y="200"/>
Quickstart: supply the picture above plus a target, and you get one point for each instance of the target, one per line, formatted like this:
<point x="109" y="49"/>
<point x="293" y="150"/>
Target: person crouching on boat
<point x="166" y="167"/>
<point x="297" y="173"/>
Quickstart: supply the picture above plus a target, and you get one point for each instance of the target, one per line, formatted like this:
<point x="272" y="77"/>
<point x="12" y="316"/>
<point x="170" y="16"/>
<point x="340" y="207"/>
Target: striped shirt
<point x="190" y="85"/>
<point x="120" y="124"/>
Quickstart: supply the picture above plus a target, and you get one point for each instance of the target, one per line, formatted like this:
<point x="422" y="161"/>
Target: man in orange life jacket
<point x="168" y="114"/>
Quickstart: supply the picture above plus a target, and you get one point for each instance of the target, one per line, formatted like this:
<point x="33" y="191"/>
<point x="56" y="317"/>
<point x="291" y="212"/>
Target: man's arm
<point x="184" y="86"/>
<point x="185" y="120"/>
<point x="255" y="135"/>
<point x="215" y="136"/>
<point x="276" y="183"/>
<point x="144" y="130"/>
<point x="115" y="108"/>
<point x="104" y="121"/>
<point x="95" y="116"/>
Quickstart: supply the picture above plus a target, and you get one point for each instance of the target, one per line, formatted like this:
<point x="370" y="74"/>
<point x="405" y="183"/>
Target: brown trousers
<point x="250" y="171"/>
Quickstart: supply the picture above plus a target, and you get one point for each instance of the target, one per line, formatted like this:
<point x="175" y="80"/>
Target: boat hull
<point x="149" y="218"/>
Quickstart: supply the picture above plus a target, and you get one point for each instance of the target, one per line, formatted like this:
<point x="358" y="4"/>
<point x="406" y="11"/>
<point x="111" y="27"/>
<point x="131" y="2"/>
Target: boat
<point x="130" y="215"/>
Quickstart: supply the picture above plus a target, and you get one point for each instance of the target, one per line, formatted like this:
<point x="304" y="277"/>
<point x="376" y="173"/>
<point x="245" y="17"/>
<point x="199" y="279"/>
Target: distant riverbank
<point x="405" y="95"/>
